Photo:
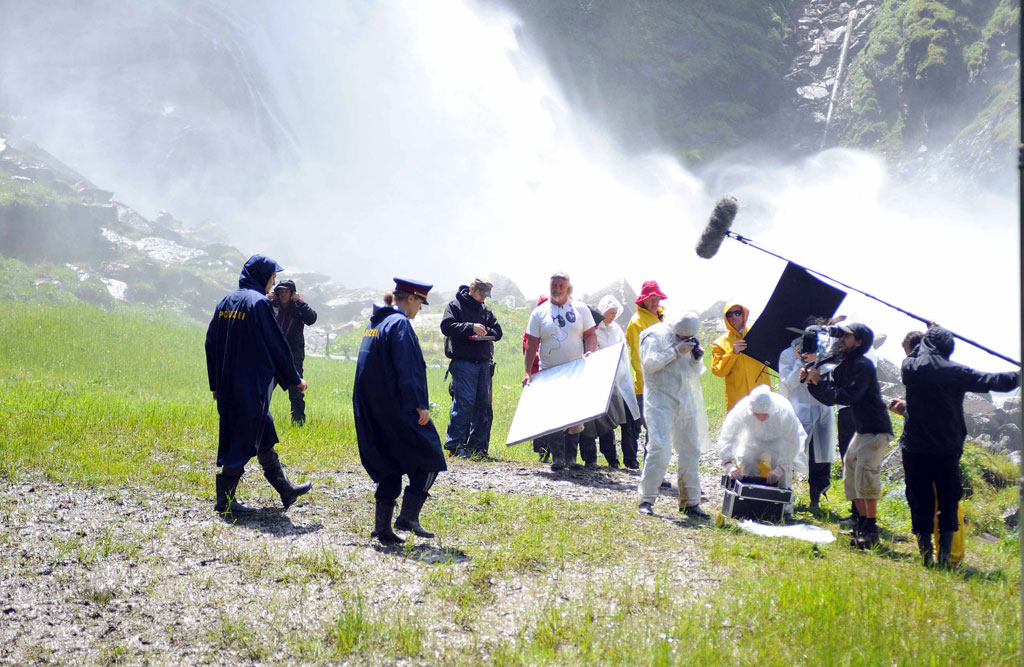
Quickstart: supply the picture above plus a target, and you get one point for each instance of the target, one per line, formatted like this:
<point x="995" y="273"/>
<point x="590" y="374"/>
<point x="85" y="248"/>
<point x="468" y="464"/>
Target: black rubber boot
<point x="275" y="474"/>
<point x="815" y="499"/>
<point x="227" y="504"/>
<point x="945" y="548"/>
<point x="924" y="547"/>
<point x="409" y="517"/>
<point x="382" y="524"/>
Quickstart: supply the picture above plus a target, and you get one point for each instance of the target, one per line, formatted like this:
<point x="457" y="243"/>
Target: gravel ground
<point x="105" y="575"/>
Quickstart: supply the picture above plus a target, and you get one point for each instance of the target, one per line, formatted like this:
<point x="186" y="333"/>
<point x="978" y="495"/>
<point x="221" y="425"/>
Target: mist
<point x="369" y="140"/>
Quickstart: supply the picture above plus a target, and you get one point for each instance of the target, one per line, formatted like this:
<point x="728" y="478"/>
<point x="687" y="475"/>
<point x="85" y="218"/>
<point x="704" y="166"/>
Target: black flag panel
<point x="797" y="296"/>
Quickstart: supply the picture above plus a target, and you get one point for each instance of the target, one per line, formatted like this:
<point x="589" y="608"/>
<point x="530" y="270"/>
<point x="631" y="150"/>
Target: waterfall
<point x="839" y="77"/>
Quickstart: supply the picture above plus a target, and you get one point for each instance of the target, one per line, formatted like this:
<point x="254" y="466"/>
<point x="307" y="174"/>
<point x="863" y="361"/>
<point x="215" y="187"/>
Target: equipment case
<point x="747" y="499"/>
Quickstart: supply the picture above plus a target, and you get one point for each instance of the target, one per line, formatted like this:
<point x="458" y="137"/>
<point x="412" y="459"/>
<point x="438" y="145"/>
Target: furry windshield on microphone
<point x="718" y="227"/>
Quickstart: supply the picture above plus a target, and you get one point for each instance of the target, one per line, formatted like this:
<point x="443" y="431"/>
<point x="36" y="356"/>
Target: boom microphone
<point x="718" y="227"/>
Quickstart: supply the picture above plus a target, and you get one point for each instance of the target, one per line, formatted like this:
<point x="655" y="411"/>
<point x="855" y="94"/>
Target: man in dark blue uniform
<point x="246" y="356"/>
<point x="392" y="417"/>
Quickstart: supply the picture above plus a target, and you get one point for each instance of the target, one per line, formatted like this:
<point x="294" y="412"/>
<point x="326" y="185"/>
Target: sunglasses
<point x="734" y="313"/>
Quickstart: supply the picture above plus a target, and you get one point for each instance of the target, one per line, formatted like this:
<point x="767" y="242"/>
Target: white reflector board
<point x="565" y="395"/>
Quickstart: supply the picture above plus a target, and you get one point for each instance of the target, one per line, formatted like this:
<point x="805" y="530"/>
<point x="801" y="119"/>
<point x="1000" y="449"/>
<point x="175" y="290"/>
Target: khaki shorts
<point x="862" y="467"/>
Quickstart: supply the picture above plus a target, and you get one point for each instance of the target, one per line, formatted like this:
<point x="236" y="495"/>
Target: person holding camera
<point x="817" y="419"/>
<point x="293" y="315"/>
<point x="854" y="382"/>
<point x="671" y="358"/>
<point x="740" y="372"/>
<point x="469" y="328"/>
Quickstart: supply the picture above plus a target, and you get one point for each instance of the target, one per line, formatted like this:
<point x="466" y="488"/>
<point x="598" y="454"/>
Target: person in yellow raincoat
<point x="741" y="373"/>
<point x="648" y="312"/>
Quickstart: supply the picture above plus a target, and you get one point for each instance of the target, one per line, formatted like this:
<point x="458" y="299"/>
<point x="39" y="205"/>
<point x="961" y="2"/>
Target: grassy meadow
<point x="119" y="399"/>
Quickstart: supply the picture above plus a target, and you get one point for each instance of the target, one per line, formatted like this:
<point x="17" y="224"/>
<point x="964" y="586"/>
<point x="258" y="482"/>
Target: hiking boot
<point x="613" y="464"/>
<point x="382" y="524"/>
<point x="695" y="512"/>
<point x="868" y="536"/>
<point x="409" y="517"/>
<point x="227" y="504"/>
<point x="665" y="484"/>
<point x="558" y="465"/>
<point x="632" y="465"/>
<point x="924" y="547"/>
<point x="590" y="465"/>
<point x="645" y="508"/>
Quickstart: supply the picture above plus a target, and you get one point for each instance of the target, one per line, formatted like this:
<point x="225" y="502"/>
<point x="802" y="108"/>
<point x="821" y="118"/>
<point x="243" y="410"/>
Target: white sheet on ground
<point x="798" y="531"/>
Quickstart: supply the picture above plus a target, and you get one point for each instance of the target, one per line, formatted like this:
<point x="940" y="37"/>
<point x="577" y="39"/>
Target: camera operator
<point x="854" y="382"/>
<point x="676" y="416"/>
<point x="817" y="419"/>
<point x="293" y="315"/>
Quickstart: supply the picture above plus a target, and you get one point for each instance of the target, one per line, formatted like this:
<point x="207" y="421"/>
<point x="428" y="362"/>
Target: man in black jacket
<point x="470" y="329"/>
<point x="854" y="382"/>
<point x="933" y="436"/>
<point x="293" y="315"/>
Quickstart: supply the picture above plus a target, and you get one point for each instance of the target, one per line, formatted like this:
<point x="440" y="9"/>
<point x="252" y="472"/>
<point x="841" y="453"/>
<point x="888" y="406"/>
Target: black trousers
<point x="296" y="397"/>
<point x="606" y="443"/>
<point x="819" y="475"/>
<point x="929" y="478"/>
<point x="420" y="481"/>
<point x="845" y="429"/>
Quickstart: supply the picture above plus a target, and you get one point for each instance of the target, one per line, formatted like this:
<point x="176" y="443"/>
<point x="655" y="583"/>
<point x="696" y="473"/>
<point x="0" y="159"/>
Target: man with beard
<point x="563" y="330"/>
<point x="854" y="382"/>
<point x="246" y="356"/>
<point x="391" y="408"/>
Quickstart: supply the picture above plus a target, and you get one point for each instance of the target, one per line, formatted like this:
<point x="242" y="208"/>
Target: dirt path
<point x="99" y="575"/>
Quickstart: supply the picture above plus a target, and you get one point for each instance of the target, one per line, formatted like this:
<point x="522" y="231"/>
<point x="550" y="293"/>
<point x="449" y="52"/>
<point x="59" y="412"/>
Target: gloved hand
<point x="684" y="347"/>
<point x="775" y="475"/>
<point x="732" y="471"/>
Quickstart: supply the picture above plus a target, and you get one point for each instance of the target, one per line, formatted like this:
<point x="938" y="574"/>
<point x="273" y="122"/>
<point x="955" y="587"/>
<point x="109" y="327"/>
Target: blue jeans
<point x="470" y="425"/>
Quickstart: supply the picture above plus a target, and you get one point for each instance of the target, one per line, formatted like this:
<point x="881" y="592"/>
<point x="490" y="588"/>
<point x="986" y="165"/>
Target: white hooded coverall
<point x="818" y="420"/>
<point x="674" y="409"/>
<point x="759" y="446"/>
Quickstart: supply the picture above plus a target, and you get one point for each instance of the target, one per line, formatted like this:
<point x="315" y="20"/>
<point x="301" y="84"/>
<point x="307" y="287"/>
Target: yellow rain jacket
<point x="741" y="373"/>
<point x="642" y="319"/>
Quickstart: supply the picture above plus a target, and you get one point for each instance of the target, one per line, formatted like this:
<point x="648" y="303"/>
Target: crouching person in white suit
<point x="762" y="437"/>
<point x="670" y="356"/>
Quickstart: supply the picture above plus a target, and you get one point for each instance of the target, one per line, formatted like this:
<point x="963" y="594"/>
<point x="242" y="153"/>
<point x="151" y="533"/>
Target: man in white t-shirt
<point x="563" y="331"/>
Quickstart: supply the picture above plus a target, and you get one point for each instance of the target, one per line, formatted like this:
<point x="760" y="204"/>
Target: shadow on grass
<point x="424" y="553"/>
<point x="272" y="521"/>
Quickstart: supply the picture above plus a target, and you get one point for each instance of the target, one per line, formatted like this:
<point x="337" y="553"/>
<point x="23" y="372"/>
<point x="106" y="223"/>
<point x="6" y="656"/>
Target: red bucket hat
<point x="649" y="289"/>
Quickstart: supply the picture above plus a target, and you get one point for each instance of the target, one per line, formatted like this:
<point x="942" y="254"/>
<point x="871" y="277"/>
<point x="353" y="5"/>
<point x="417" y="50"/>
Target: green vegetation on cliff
<point x="934" y="72"/>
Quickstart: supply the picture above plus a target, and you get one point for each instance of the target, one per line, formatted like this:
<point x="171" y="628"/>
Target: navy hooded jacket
<point x="935" y="395"/>
<point x="854" y="382"/>
<point x="391" y="384"/>
<point x="246" y="354"/>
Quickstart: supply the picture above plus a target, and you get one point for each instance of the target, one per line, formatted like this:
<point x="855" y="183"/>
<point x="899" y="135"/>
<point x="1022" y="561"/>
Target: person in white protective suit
<point x="671" y="358"/>
<point x="762" y="437"/>
<point x="817" y="419"/>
